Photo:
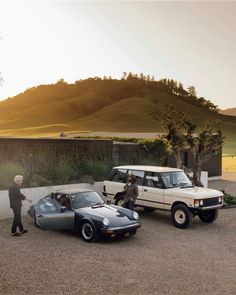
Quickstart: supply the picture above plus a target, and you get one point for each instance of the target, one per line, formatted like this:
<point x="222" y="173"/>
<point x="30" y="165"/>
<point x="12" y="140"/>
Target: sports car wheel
<point x="88" y="232"/>
<point x="208" y="216"/>
<point x="181" y="216"/>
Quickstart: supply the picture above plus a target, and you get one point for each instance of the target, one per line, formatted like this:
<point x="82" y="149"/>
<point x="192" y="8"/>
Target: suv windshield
<point x="175" y="179"/>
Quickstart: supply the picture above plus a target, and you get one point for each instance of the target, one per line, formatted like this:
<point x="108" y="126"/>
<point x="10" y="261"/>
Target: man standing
<point x="131" y="192"/>
<point x="16" y="198"/>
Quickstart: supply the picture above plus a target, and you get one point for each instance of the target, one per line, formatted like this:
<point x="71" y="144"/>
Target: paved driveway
<point x="160" y="259"/>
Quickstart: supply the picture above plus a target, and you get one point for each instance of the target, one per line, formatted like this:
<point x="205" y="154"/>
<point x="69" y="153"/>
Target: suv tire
<point x="181" y="216"/>
<point x="208" y="216"/>
<point x="119" y="201"/>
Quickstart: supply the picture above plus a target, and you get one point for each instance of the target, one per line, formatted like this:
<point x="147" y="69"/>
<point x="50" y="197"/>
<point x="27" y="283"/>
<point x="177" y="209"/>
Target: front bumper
<point x="209" y="207"/>
<point x="113" y="232"/>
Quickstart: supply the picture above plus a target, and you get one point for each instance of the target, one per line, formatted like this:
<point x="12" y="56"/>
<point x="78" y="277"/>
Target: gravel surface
<point x="160" y="259"/>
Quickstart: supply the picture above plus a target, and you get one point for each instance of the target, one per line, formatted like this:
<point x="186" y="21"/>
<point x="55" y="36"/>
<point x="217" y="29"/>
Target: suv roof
<point x="148" y="168"/>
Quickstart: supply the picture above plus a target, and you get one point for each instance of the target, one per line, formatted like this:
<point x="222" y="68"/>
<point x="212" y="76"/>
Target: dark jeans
<point x="129" y="205"/>
<point x="16" y="220"/>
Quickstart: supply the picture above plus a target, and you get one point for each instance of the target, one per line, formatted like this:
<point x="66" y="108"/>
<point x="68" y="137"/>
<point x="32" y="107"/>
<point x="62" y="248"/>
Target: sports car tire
<point x="87" y="232"/>
<point x="208" y="216"/>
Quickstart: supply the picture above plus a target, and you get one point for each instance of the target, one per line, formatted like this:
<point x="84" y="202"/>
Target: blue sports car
<point x="85" y="212"/>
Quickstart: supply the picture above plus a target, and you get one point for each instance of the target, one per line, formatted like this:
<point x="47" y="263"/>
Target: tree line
<point x="174" y="87"/>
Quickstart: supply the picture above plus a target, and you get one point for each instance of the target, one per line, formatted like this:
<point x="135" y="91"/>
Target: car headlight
<point x="135" y="215"/>
<point x="220" y="199"/>
<point x="106" y="221"/>
<point x="201" y="203"/>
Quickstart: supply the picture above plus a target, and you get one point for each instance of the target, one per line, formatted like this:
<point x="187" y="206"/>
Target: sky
<point x="191" y="42"/>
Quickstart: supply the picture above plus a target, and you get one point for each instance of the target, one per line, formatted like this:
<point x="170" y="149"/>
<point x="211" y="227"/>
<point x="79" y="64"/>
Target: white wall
<point x="204" y="178"/>
<point x="37" y="193"/>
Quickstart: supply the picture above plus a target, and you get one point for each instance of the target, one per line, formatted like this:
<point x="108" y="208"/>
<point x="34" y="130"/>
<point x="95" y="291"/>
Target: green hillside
<point x="104" y="105"/>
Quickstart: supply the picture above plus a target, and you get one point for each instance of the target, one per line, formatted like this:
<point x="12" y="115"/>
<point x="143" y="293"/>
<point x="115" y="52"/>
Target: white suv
<point x="165" y="189"/>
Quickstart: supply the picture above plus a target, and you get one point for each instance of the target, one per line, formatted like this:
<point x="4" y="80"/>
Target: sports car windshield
<point x="175" y="179"/>
<point x="85" y="199"/>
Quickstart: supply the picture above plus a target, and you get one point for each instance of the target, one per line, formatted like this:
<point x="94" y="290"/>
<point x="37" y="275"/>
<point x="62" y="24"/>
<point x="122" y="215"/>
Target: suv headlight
<point x="135" y="215"/>
<point x="220" y="199"/>
<point x="106" y="221"/>
<point x="201" y="203"/>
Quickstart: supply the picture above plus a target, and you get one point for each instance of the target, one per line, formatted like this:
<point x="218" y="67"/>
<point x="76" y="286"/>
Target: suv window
<point x="120" y="175"/>
<point x="175" y="179"/>
<point x="152" y="179"/>
<point x="139" y="176"/>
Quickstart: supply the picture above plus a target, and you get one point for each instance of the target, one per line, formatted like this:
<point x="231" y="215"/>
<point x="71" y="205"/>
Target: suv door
<point x="115" y="182"/>
<point x="153" y="191"/>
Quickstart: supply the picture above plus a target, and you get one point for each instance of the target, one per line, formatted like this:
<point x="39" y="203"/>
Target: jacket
<point x="131" y="192"/>
<point x="15" y="196"/>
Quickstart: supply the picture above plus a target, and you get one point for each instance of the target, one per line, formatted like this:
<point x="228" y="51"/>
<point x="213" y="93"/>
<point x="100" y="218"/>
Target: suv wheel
<point x="208" y="216"/>
<point x="181" y="216"/>
<point x="119" y="201"/>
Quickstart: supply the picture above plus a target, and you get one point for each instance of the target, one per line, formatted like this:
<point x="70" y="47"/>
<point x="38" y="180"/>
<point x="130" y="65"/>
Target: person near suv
<point x="131" y="192"/>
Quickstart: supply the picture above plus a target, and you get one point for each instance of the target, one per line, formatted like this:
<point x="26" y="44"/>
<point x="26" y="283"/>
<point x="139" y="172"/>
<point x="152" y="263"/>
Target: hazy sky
<point x="191" y="42"/>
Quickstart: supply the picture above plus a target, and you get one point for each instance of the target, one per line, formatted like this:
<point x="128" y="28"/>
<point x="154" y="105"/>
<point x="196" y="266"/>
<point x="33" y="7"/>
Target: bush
<point x="97" y="169"/>
<point x="8" y="171"/>
<point x="228" y="199"/>
<point x="38" y="180"/>
<point x="86" y="179"/>
<point x="64" y="172"/>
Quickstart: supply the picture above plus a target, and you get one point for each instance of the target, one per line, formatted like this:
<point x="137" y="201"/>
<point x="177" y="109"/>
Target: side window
<point x="139" y="176"/>
<point x="152" y="179"/>
<point x="167" y="180"/>
<point x="120" y="175"/>
<point x="47" y="205"/>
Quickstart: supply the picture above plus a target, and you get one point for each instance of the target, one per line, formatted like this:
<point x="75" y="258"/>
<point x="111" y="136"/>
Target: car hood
<point x="116" y="215"/>
<point x="193" y="192"/>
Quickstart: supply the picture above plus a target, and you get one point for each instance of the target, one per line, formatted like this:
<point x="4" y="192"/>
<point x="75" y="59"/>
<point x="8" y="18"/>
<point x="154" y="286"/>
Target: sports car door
<point x="48" y="216"/>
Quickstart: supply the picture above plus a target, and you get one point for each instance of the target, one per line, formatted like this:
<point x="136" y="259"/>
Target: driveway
<point x="160" y="259"/>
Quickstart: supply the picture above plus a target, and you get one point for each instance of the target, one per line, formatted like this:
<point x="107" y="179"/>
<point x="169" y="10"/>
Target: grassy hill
<point x="229" y="112"/>
<point x="101" y="105"/>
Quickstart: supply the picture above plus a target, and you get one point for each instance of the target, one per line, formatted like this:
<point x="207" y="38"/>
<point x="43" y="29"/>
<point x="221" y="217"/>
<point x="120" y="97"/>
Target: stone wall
<point x="37" y="155"/>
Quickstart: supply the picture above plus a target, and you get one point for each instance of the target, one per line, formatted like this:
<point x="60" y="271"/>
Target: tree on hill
<point x="192" y="91"/>
<point x="183" y="135"/>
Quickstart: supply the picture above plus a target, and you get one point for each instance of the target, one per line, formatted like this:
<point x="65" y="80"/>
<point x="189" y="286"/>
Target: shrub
<point x="97" y="169"/>
<point x="228" y="199"/>
<point x="38" y="180"/>
<point x="8" y="171"/>
<point x="64" y="172"/>
<point x="86" y="179"/>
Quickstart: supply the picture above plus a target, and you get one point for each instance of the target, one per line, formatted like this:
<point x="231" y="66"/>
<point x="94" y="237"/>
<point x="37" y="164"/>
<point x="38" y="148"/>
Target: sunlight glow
<point x="44" y="41"/>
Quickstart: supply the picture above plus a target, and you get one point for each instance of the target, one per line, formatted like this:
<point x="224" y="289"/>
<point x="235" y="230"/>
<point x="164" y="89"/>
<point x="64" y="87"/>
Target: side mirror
<point x="108" y="201"/>
<point x="63" y="208"/>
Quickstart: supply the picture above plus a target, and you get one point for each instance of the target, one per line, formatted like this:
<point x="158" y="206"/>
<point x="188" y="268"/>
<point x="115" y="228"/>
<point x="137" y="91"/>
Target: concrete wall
<point x="37" y="193"/>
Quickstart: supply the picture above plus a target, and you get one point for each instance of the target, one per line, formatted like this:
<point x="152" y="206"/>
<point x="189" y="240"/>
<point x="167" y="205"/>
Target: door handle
<point x="145" y="190"/>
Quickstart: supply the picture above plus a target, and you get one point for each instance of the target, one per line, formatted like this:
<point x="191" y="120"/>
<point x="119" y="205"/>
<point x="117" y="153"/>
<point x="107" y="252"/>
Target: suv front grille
<point x="210" y="202"/>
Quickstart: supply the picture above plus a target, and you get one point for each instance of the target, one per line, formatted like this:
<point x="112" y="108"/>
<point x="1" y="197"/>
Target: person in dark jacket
<point x="131" y="192"/>
<point x="16" y="198"/>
